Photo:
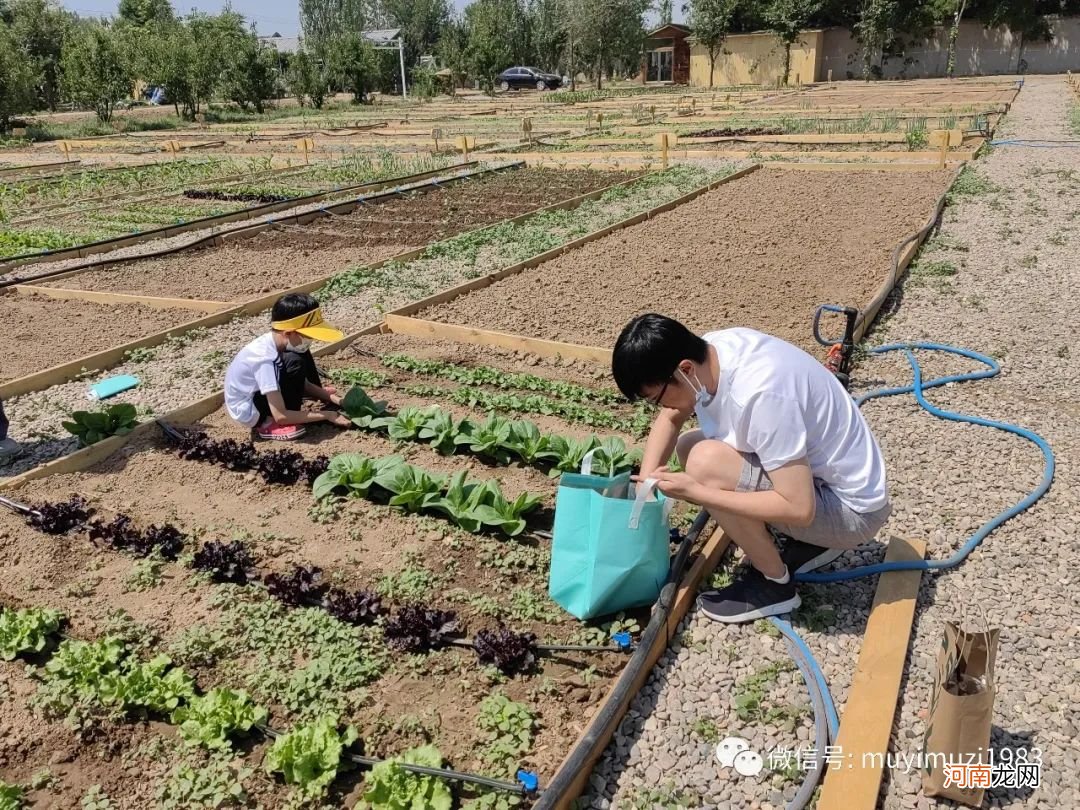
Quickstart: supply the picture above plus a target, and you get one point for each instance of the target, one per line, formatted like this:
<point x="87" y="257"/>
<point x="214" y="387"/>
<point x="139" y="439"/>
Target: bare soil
<point x="282" y="258"/>
<point x="763" y="251"/>
<point x="50" y="331"/>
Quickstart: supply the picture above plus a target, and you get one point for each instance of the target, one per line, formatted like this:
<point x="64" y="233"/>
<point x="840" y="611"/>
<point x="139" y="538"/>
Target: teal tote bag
<point x="609" y="549"/>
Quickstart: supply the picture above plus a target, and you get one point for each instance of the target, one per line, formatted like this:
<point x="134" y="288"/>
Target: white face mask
<point x="701" y="394"/>
<point x="301" y="347"/>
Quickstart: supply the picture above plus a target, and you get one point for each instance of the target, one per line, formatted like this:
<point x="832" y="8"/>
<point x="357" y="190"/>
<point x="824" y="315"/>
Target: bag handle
<point x="586" y="461"/>
<point x="644" y="491"/>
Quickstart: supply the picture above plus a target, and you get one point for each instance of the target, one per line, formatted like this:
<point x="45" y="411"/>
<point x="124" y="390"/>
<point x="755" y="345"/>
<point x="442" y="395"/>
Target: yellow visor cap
<point x="310" y="324"/>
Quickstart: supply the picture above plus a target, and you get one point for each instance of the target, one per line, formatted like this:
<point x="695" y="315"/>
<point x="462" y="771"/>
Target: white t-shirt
<point x="775" y="400"/>
<point x="252" y="370"/>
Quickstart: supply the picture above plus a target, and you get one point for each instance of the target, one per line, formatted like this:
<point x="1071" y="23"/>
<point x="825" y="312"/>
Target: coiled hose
<point x="824" y="710"/>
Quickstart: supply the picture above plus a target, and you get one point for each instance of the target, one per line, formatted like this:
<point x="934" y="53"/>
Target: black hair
<point x="291" y="305"/>
<point x="648" y="351"/>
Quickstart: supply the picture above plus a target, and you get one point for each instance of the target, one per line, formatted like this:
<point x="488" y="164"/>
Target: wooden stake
<point x="65" y="147"/>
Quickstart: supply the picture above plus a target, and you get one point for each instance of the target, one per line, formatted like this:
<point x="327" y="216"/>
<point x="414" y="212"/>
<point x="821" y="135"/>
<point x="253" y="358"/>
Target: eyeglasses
<point x="655" y="401"/>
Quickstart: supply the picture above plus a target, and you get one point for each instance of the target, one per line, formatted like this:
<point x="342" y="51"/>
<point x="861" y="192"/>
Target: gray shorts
<point x="836" y="525"/>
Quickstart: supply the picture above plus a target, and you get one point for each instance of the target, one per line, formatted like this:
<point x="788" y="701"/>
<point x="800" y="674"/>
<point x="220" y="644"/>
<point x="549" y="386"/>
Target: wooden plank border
<point x="749" y="154"/>
<point x="102" y="297"/>
<point x="867" y="721"/>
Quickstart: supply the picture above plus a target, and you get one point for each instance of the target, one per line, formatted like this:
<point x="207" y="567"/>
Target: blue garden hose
<point x="804" y="658"/>
<point x="918" y="387"/>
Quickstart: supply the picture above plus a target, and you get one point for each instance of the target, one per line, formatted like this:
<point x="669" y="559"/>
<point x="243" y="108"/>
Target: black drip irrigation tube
<point x="11" y="263"/>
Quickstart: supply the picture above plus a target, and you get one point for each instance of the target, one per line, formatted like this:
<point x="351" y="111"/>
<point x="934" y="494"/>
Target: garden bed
<point x="50" y="331"/>
<point x="763" y="252"/>
<point x="301" y="663"/>
<point x="278" y="259"/>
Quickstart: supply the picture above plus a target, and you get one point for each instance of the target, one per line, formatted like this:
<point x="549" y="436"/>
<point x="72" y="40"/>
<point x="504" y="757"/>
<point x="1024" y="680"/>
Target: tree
<point x="787" y="19"/>
<point x="665" y="11"/>
<point x="249" y="77"/>
<point x="95" y="71"/>
<point x="496" y="37"/>
<point x="452" y="50"/>
<point x="958" y="13"/>
<point x="606" y="33"/>
<point x="547" y="33"/>
<point x="352" y="60"/>
<point x="875" y="27"/>
<point x="307" y="78"/>
<point x="420" y="22"/>
<point x="142" y="13"/>
<point x="322" y="20"/>
<point x="17" y="79"/>
<point x="189" y="57"/>
<point x="39" y="28"/>
<point x="711" y="21"/>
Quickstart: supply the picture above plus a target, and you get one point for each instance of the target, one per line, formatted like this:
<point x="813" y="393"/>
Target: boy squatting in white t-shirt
<point x="268" y="380"/>
<point x="781" y="444"/>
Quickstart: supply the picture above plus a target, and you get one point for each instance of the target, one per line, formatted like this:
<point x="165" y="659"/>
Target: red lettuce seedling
<point x="510" y="652"/>
<point x="282" y="467"/>
<point x="61" y="517"/>
<point x="168" y="541"/>
<point x="354" y="607"/>
<point x="301" y="587"/>
<point x="315" y="467"/>
<point x="417" y="629"/>
<point x="120" y="534"/>
<point x="225" y="562"/>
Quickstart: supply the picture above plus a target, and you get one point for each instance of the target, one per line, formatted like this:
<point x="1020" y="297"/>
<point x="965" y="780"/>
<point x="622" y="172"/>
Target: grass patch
<point x="933" y="271"/>
<point x="970" y="183"/>
<point x="1074" y="118"/>
<point x="91" y="127"/>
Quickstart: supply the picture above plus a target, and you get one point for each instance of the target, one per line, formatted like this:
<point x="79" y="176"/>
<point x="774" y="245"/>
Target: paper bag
<point x="957" y="737"/>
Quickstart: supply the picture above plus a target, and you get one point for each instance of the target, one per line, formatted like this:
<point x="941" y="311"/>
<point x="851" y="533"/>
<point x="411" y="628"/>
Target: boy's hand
<point x="673" y="484"/>
<point x="335" y="418"/>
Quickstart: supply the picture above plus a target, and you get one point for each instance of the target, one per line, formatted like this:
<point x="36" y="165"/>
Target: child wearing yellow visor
<point x="268" y="380"/>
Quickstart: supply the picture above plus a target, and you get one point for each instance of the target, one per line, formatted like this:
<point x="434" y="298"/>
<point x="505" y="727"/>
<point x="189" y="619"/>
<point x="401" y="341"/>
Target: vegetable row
<point x="105" y="675"/>
<point x="413" y="629"/>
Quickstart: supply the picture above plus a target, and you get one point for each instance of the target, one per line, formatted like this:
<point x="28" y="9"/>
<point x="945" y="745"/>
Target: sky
<point x="268" y="15"/>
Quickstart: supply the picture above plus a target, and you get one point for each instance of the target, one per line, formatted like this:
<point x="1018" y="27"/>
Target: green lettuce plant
<point x="26" y="630"/>
<point x="309" y="755"/>
<point x="354" y="473"/>
<point x="210" y="719"/>
<point x="361" y="409"/>
<point x="391" y="787"/>
<point x="90" y="427"/>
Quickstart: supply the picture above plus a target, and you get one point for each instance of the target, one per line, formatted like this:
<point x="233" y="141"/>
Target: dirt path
<point x="763" y="251"/>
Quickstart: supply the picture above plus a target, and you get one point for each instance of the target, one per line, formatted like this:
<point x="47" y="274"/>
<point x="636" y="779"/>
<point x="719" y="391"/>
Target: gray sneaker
<point x="9" y="449"/>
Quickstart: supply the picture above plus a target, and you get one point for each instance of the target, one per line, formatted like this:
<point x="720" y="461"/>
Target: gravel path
<point x="1013" y="298"/>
